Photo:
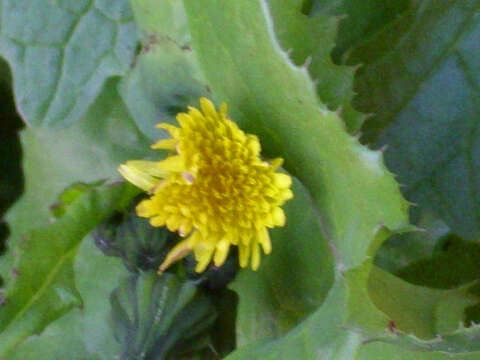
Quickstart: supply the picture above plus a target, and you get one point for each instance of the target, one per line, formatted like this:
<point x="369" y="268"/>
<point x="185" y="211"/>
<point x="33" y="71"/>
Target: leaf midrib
<point x="448" y="50"/>
<point x="48" y="281"/>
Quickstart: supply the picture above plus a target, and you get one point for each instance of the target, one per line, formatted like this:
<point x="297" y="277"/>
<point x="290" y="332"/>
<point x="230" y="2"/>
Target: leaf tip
<point x="307" y="62"/>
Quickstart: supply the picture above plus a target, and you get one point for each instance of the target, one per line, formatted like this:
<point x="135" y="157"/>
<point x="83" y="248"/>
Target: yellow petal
<point x="255" y="256"/>
<point x="223" y="108"/>
<point x="203" y="255"/>
<point x="264" y="239"/>
<point x="253" y="145"/>
<point x="282" y="180"/>
<point x="184" y="120"/>
<point x="173" y="130"/>
<point x="243" y="254"/>
<point x="245" y="235"/>
<point x="203" y="218"/>
<point x="179" y="251"/>
<point x="208" y="108"/>
<point x="148" y="167"/>
<point x="195" y="113"/>
<point x="137" y="178"/>
<point x="158" y="220"/>
<point x="173" y="222"/>
<point x="276" y="163"/>
<point x="286" y="194"/>
<point x="203" y="261"/>
<point x="184" y="210"/>
<point x="185" y="227"/>
<point x="157" y="186"/>
<point x="278" y="216"/>
<point x="269" y="220"/>
<point x="146" y="208"/>
<point x="222" y="252"/>
<point x="165" y="144"/>
<point x="173" y="164"/>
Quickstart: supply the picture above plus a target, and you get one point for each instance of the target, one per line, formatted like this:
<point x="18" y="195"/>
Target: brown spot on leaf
<point x="392" y="326"/>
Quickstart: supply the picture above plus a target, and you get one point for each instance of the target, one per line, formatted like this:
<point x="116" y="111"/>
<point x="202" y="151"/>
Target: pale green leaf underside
<point x="165" y="78"/>
<point x="55" y="158"/>
<point x="162" y="84"/>
<point x="61" y="52"/>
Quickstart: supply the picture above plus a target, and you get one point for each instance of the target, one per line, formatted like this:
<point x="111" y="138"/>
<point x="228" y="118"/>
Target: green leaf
<point x="361" y="20"/>
<point x="59" y="208"/>
<point x="162" y="84"/>
<point x="419" y="310"/>
<point x="421" y="78"/>
<point x="165" y="78"/>
<point x="158" y="316"/>
<point x="320" y="336"/>
<point x="420" y="318"/>
<point x="90" y="336"/>
<point x="400" y="250"/>
<point x="62" y="52"/>
<point x="53" y="159"/>
<point x="43" y="288"/>
<point x="272" y="98"/>
<point x="357" y="198"/>
<point x="323" y="333"/>
<point x="161" y="19"/>
<point x="309" y="42"/>
<point x="454" y="264"/>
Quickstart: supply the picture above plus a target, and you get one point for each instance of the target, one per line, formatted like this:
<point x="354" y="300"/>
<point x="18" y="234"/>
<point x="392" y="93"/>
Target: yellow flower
<point x="215" y="190"/>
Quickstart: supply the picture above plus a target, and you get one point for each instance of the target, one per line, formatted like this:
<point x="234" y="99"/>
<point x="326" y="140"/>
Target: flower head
<point x="215" y="189"/>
